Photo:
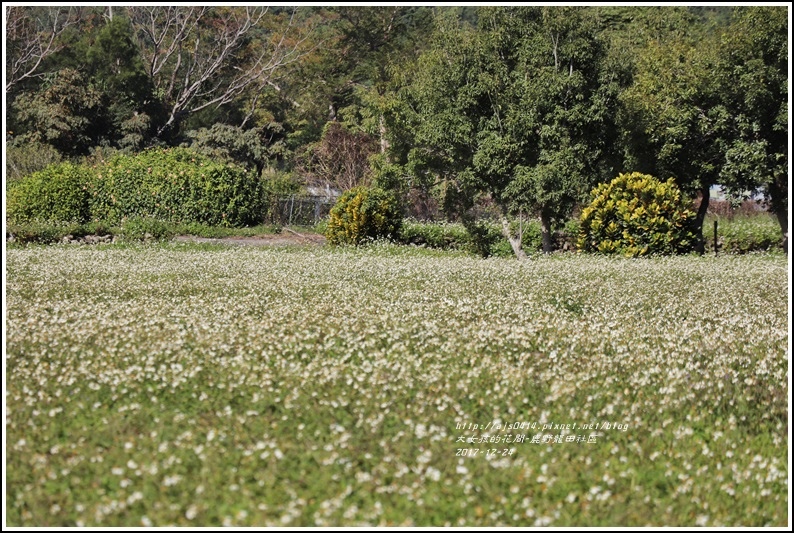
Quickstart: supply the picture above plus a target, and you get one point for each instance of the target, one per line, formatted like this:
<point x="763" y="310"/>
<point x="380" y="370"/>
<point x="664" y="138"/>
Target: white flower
<point x="433" y="473"/>
<point x="170" y="481"/>
<point x="191" y="512"/>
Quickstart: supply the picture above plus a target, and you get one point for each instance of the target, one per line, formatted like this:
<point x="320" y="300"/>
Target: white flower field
<point x="183" y="384"/>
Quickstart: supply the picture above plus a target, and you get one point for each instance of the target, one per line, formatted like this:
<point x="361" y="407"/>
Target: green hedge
<point x="743" y="234"/>
<point x="441" y="235"/>
<point x="59" y="193"/>
<point x="172" y="185"/>
<point x="483" y="238"/>
<point x="176" y="185"/>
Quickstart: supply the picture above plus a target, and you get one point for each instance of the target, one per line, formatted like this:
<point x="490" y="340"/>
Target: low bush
<point x="59" y="193"/>
<point x="482" y="238"/>
<point x="38" y="232"/>
<point x="176" y="185"/>
<point x="53" y="232"/>
<point x="741" y="234"/>
<point x="442" y="235"/>
<point x="363" y="214"/>
<point x="144" y="229"/>
<point x="28" y="157"/>
<point x="635" y="215"/>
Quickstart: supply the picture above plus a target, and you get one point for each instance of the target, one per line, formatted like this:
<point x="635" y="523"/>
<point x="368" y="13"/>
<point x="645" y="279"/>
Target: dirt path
<point x="286" y="238"/>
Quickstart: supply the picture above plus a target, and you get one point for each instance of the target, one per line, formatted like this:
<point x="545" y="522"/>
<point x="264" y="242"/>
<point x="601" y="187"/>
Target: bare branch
<point x="161" y="33"/>
<point x="30" y="40"/>
<point x="207" y="57"/>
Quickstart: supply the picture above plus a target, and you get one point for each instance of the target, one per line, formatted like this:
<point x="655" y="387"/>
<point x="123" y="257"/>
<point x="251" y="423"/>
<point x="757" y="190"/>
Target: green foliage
<point x="114" y="64"/>
<point x="364" y="213"/>
<point x="23" y="158"/>
<point x="434" y="235"/>
<point x="673" y="120"/>
<point x="176" y="185"/>
<point x="39" y="232"/>
<point x="61" y="113"/>
<point x="484" y="239"/>
<point x="535" y="143"/>
<point x="743" y="234"/>
<point x="530" y="234"/>
<point x="59" y="193"/>
<point x="753" y="74"/>
<point x="252" y="147"/>
<point x="144" y="228"/>
<point x="570" y="233"/>
<point x="387" y="175"/>
<point x="636" y="215"/>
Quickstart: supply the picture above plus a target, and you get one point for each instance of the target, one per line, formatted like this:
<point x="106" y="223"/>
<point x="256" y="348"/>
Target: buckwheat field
<point x="183" y="384"/>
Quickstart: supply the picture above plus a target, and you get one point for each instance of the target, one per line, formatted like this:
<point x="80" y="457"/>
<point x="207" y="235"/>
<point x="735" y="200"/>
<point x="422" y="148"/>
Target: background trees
<point x="518" y="109"/>
<point x="675" y="117"/>
<point x="752" y="72"/>
<point x="32" y="36"/>
<point x="521" y="109"/>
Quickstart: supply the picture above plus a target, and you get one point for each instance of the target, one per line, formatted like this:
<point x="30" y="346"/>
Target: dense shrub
<point x="59" y="193"/>
<point x="482" y="238"/>
<point x="142" y="229"/>
<point x="741" y="234"/>
<point x="176" y="185"/>
<point x="636" y="214"/>
<point x="361" y="214"/>
<point x="25" y="158"/>
<point x="441" y="235"/>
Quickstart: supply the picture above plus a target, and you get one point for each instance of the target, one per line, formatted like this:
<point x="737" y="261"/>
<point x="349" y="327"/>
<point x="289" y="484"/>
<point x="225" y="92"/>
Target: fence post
<point x="291" y="205"/>
<point x="715" y="237"/>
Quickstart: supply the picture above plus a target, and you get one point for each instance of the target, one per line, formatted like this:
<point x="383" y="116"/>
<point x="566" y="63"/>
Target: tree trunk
<point x="545" y="232"/>
<point x="384" y="143"/>
<point x="778" y="192"/>
<point x="515" y="242"/>
<point x="700" y="244"/>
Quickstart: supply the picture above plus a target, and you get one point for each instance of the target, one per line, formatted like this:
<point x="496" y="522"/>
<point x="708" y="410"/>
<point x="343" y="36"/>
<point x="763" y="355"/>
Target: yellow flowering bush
<point x="636" y="215"/>
<point x="364" y="213"/>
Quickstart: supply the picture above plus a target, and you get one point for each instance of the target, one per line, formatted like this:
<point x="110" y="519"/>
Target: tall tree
<point x="32" y="36"/>
<point x="675" y="119"/>
<point x="753" y="77"/>
<point x="112" y="61"/>
<point x="205" y="57"/>
<point x="349" y="78"/>
<point x="61" y="113"/>
<point x="519" y="110"/>
<point x="710" y="107"/>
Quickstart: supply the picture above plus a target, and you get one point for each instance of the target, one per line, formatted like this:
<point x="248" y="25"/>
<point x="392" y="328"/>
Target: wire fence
<point x="300" y="210"/>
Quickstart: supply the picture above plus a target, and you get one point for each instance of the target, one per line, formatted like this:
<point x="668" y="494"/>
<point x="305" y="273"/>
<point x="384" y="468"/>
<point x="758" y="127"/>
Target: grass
<point x="132" y="230"/>
<point x="743" y="233"/>
<point x="178" y="384"/>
